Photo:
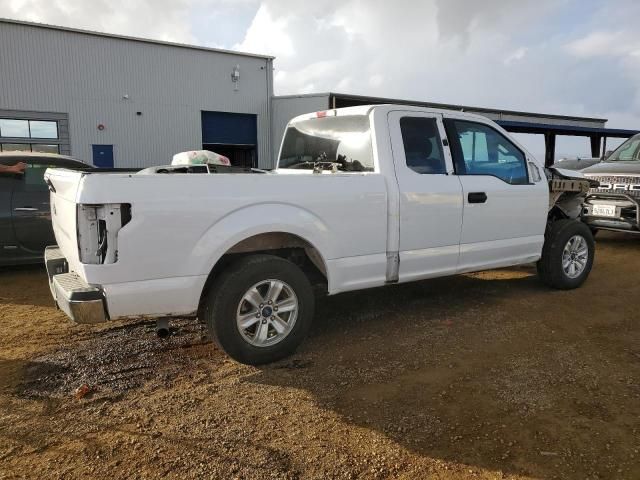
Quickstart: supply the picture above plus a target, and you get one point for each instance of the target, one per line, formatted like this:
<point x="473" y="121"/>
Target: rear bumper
<point x="83" y="303"/>
<point x="627" y="208"/>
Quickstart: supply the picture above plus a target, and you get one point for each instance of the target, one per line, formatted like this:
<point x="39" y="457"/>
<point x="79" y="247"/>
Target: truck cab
<point x="445" y="167"/>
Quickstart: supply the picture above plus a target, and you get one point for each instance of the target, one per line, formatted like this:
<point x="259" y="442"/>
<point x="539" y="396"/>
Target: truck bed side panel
<point x="190" y="221"/>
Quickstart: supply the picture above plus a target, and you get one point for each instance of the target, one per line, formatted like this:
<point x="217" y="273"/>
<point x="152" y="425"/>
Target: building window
<point x="29" y="147"/>
<point x="14" y="128"/>
<point x="15" y="147"/>
<point x="42" y="148"/>
<point x="43" y="129"/>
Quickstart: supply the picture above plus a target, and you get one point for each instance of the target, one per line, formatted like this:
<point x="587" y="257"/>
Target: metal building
<point x="289" y="106"/>
<point x="129" y="102"/>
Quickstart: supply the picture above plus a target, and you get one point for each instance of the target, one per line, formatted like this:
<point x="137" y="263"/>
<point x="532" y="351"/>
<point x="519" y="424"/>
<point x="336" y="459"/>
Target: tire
<point x="594" y="232"/>
<point x="552" y="266"/>
<point x="232" y="301"/>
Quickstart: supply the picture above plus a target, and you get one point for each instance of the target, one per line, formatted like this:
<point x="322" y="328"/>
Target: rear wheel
<point x="567" y="255"/>
<point x="260" y="309"/>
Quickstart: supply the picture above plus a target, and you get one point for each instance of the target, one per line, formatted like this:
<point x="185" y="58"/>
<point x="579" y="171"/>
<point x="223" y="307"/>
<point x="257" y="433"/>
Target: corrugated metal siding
<point x="287" y="107"/>
<point x="87" y="77"/>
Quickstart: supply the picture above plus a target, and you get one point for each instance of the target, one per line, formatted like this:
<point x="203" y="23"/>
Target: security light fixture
<point x="235" y="77"/>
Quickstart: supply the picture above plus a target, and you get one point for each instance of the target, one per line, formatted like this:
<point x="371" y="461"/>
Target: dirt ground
<point x="481" y="376"/>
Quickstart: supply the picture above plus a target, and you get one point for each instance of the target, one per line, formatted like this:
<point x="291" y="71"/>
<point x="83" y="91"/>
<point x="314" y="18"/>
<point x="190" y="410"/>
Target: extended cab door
<point x="430" y="196"/>
<point x="505" y="197"/>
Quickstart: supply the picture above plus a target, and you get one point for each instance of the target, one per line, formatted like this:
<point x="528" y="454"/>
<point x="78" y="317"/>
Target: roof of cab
<point x="366" y="109"/>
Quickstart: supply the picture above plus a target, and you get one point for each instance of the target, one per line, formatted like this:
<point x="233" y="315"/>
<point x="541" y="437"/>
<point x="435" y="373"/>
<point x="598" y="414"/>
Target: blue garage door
<point x="234" y="135"/>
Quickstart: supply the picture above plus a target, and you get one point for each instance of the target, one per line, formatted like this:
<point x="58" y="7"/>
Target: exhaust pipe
<point x="162" y="328"/>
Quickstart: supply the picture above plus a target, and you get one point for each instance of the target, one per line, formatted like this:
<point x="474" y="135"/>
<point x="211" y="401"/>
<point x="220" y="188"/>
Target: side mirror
<point x="608" y="154"/>
<point x="534" y="172"/>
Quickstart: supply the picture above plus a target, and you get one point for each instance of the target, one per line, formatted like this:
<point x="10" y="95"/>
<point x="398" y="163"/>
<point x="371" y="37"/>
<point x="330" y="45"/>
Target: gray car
<point x="25" y="216"/>
<point x="615" y="204"/>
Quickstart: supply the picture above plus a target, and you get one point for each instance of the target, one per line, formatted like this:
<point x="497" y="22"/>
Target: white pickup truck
<point x="362" y="197"/>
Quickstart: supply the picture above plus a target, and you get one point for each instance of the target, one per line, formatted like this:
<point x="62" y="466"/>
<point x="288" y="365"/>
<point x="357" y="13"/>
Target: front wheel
<point x="567" y="255"/>
<point x="260" y="309"/>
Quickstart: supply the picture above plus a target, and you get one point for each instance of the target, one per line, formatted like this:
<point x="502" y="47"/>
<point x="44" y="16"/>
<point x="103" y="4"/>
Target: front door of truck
<point x="505" y="197"/>
<point x="430" y="196"/>
<point x="8" y="245"/>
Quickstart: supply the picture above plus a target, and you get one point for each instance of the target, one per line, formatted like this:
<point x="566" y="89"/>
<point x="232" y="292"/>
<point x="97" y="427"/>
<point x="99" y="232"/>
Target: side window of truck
<point x="34" y="174"/>
<point x="422" y="145"/>
<point x="478" y="149"/>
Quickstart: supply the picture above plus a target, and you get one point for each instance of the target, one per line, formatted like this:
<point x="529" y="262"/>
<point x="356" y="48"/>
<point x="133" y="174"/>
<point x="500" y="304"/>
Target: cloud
<point x="159" y="19"/>
<point x="269" y="34"/>
<point x="515" y="56"/>
<point x="440" y="50"/>
<point x="605" y="44"/>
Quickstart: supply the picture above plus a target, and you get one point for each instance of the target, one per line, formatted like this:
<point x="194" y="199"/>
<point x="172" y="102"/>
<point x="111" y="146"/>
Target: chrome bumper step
<point x="83" y="303"/>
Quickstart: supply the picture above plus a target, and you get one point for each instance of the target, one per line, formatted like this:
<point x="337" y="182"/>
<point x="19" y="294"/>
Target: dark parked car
<point x="25" y="216"/>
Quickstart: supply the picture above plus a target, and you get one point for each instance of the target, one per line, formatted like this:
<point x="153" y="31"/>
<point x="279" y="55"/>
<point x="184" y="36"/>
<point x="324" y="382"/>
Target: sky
<point x="568" y="57"/>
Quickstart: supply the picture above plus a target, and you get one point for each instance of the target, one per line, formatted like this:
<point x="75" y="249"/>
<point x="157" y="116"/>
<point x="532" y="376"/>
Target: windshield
<point x="629" y="151"/>
<point x="329" y="143"/>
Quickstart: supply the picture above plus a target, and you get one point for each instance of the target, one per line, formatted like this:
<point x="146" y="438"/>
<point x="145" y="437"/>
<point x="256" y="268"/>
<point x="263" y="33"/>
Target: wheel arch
<point x="275" y="228"/>
<point x="284" y="244"/>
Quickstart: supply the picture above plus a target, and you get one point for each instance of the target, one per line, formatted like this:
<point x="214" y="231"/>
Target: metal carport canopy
<point x="531" y="127"/>
<point x="597" y="135"/>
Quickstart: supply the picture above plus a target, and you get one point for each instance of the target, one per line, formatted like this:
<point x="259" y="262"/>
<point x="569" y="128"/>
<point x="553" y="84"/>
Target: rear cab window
<point x="338" y="143"/>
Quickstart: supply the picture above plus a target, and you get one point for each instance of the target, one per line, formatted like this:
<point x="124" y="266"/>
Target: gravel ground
<point x="483" y="376"/>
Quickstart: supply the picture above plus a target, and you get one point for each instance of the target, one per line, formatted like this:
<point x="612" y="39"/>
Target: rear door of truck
<point x="430" y="196"/>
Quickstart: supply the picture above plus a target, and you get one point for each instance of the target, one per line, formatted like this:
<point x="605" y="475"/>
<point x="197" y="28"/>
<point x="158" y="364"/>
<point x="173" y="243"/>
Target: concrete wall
<point x="87" y="76"/>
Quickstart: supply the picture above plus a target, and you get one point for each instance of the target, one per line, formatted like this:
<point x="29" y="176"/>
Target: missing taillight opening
<point x="98" y="228"/>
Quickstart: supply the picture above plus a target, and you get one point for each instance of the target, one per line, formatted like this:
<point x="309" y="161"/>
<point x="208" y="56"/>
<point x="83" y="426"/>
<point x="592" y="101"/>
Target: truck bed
<point x="208" y="214"/>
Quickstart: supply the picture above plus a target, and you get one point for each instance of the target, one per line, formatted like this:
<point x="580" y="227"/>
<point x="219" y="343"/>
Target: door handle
<point x="477" y="197"/>
<point x="25" y="209"/>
